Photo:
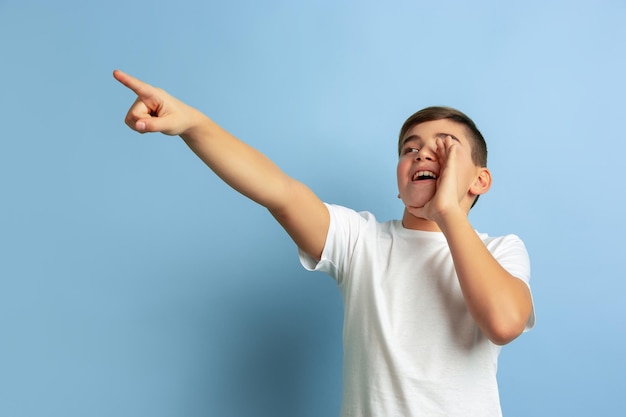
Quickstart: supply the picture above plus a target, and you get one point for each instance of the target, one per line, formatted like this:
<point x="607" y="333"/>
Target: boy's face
<point x="418" y="171"/>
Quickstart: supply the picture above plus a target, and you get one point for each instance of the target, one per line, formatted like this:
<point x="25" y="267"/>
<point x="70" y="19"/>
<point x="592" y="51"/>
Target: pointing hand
<point x="155" y="110"/>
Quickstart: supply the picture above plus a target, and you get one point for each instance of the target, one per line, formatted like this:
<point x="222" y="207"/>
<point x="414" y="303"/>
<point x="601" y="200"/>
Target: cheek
<point x="402" y="167"/>
<point x="401" y="173"/>
<point x="468" y="176"/>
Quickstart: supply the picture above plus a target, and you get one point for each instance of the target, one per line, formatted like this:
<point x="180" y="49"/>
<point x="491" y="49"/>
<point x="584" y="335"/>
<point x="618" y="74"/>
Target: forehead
<point x="436" y="128"/>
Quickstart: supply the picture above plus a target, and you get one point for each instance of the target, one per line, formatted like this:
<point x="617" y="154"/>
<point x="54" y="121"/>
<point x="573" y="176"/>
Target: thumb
<point x="152" y="124"/>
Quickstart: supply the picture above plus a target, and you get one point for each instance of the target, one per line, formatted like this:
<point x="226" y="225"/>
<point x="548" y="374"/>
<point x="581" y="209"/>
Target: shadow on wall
<point x="276" y="347"/>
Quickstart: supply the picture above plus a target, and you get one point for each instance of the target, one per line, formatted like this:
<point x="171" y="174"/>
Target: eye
<point x="410" y="150"/>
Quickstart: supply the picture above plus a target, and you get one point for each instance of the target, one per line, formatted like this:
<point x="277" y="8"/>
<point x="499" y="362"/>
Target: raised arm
<point x="499" y="302"/>
<point x="294" y="205"/>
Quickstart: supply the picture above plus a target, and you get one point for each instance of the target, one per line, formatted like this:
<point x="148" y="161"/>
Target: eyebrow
<point x="439" y="135"/>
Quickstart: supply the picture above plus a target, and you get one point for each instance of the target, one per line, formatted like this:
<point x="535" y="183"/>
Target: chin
<point x="416" y="202"/>
<point x="418" y="196"/>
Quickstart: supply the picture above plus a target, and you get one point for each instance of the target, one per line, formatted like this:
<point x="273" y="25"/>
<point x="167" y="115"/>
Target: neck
<point x="412" y="222"/>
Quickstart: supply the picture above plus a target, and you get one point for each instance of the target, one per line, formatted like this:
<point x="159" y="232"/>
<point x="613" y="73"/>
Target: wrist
<point x="451" y="219"/>
<point x="198" y="126"/>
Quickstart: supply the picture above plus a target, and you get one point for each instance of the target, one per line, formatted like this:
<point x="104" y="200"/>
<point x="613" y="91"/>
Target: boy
<point x="427" y="300"/>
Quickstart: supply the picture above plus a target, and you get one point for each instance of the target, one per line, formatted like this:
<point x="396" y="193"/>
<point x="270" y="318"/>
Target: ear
<point x="482" y="183"/>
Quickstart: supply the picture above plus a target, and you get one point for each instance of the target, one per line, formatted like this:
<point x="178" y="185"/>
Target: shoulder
<point x="504" y="241"/>
<point x="341" y="214"/>
<point x="358" y="224"/>
<point x="342" y="211"/>
<point x="506" y="248"/>
<point x="510" y="251"/>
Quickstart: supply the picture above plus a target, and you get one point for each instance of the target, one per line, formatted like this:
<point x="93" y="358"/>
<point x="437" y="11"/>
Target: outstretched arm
<point x="294" y="205"/>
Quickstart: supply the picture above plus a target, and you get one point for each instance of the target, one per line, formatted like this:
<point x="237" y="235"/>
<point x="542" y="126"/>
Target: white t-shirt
<point x="411" y="347"/>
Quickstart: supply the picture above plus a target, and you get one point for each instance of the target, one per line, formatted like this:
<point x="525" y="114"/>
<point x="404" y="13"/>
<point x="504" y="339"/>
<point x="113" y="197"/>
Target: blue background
<point x="133" y="282"/>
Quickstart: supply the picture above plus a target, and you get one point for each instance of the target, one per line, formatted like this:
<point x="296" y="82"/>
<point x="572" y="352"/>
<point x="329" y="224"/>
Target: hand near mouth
<point x="446" y="198"/>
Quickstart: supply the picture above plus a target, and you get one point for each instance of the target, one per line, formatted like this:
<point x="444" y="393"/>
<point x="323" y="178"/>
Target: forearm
<point x="499" y="303"/>
<point x="303" y="216"/>
<point x="241" y="166"/>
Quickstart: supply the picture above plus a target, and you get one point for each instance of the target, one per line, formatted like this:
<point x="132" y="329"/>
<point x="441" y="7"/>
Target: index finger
<point x="137" y="86"/>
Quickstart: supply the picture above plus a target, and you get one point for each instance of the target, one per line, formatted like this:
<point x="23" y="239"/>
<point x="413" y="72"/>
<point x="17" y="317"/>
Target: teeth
<point x="423" y="175"/>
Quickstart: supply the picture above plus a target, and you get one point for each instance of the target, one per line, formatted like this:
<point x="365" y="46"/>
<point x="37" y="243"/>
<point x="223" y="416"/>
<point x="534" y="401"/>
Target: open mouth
<point x="424" y="175"/>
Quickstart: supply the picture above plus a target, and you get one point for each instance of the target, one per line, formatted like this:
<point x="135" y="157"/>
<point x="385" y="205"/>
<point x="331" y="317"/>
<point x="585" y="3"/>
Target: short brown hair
<point x="479" y="146"/>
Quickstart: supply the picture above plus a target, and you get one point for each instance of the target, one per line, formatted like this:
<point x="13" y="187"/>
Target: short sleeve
<point x="345" y="228"/>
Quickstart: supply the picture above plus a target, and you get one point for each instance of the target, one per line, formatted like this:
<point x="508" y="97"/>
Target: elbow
<point x="504" y="337"/>
<point x="502" y="332"/>
<point x="506" y="320"/>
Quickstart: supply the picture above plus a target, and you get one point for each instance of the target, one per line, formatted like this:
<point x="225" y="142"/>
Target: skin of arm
<point x="301" y="213"/>
<point x="499" y="303"/>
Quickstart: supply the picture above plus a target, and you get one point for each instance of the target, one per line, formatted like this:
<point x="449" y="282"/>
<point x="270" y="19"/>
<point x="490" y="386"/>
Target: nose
<point x="426" y="153"/>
